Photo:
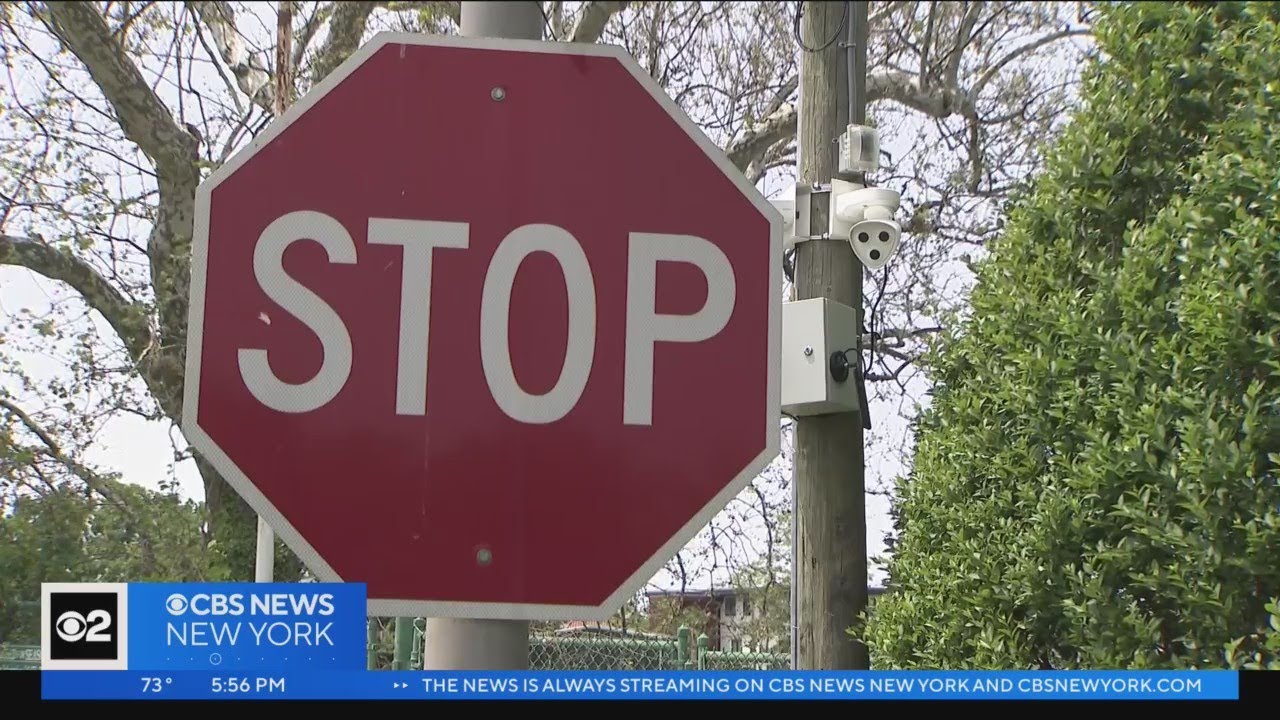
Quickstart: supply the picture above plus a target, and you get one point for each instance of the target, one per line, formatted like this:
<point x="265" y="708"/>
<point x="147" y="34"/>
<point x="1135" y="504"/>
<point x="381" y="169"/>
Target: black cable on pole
<point x="857" y="54"/>
<point x="795" y="29"/>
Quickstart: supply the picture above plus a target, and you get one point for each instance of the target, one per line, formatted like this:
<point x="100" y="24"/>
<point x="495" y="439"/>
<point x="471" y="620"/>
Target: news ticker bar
<point x="641" y="685"/>
<point x="307" y="641"/>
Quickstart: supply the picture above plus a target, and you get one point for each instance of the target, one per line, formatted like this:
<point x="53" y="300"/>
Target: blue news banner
<point x="306" y="641"/>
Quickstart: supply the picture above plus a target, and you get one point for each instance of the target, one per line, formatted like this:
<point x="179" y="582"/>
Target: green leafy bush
<point x="1095" y="482"/>
<point x="1260" y="651"/>
<point x="66" y="535"/>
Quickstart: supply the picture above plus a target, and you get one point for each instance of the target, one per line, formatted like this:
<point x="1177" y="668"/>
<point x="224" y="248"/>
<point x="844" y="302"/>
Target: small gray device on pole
<point x="478" y="644"/>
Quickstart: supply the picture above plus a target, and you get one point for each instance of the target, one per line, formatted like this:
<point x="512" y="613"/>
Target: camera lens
<point x="863" y="237"/>
<point x="875" y="254"/>
<point x="884" y="236"/>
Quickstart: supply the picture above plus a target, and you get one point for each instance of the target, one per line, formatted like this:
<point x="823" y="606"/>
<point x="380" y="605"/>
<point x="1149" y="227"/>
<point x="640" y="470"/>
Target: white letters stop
<point x="418" y="240"/>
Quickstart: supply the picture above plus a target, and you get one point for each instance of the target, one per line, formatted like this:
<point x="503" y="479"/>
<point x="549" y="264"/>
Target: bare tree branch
<point x="783" y="94"/>
<point x="976" y="90"/>
<point x="308" y="31"/>
<point x="127" y="318"/>
<point x="556" y="17"/>
<point x="963" y="38"/>
<point x="104" y="486"/>
<point x="346" y="29"/>
<point x="927" y="45"/>
<point x="453" y="10"/>
<point x="752" y="146"/>
<point x="905" y="89"/>
<point x="779" y="156"/>
<point x="127" y="21"/>
<point x="885" y="10"/>
<point x="143" y="117"/>
<point x="892" y="85"/>
<point x="904" y="333"/>
<point x="594" y="17"/>
<point x="50" y="444"/>
<point x="217" y="66"/>
<point x="249" y="69"/>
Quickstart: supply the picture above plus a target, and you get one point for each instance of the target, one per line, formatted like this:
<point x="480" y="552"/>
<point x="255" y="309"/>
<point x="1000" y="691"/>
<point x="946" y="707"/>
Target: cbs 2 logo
<point x="73" y="627"/>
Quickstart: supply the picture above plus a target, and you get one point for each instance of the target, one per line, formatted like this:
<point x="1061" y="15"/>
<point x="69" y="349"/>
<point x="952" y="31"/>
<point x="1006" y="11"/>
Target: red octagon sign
<point x="487" y="325"/>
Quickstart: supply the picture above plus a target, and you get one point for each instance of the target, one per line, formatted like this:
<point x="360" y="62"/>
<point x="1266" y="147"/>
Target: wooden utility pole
<point x="831" y="552"/>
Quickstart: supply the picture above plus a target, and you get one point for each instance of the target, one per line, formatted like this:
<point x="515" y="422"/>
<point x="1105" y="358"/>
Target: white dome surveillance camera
<point x="874" y="241"/>
<point x="866" y="218"/>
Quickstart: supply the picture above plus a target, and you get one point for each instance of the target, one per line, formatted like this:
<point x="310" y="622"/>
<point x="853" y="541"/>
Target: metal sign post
<point x="464" y="643"/>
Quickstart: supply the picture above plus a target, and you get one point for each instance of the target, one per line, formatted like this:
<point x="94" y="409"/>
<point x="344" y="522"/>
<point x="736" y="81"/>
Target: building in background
<point x="733" y="619"/>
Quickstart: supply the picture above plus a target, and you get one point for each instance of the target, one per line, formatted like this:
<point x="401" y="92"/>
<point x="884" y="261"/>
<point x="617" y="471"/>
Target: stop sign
<point x="490" y="326"/>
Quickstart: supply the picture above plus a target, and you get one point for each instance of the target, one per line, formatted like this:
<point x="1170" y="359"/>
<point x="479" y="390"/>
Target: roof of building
<point x="707" y="593"/>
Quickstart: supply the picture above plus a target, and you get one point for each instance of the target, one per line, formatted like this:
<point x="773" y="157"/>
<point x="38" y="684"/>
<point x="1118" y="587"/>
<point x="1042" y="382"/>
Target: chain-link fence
<point x="20" y="641"/>
<point x="19" y="657"/>
<point x="724" y="660"/>
<point x="708" y="659"/>
<point x="397" y="644"/>
<point x="603" y="653"/>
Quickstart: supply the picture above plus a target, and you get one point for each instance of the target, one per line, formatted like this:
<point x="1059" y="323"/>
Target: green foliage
<point x="667" y="614"/>
<point x="1095" y="483"/>
<point x="766" y="591"/>
<point x="66" y="535"/>
<point x="1261" y="650"/>
<point x="234" y="550"/>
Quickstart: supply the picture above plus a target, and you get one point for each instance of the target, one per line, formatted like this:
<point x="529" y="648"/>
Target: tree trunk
<point x="232" y="533"/>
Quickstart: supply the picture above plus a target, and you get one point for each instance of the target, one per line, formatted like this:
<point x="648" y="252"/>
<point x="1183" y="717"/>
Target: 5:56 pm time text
<point x="247" y="684"/>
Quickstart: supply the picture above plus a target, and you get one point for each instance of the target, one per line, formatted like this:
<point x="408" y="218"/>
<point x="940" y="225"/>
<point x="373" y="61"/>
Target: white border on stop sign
<point x="479" y="610"/>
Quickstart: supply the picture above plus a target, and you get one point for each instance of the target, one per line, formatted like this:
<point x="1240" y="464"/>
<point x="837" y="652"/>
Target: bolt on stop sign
<point x="488" y="325"/>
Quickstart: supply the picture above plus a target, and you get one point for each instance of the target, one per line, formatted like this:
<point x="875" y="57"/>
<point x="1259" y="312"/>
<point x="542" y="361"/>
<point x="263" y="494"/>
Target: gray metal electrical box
<point x="812" y="211"/>
<point x="811" y="331"/>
